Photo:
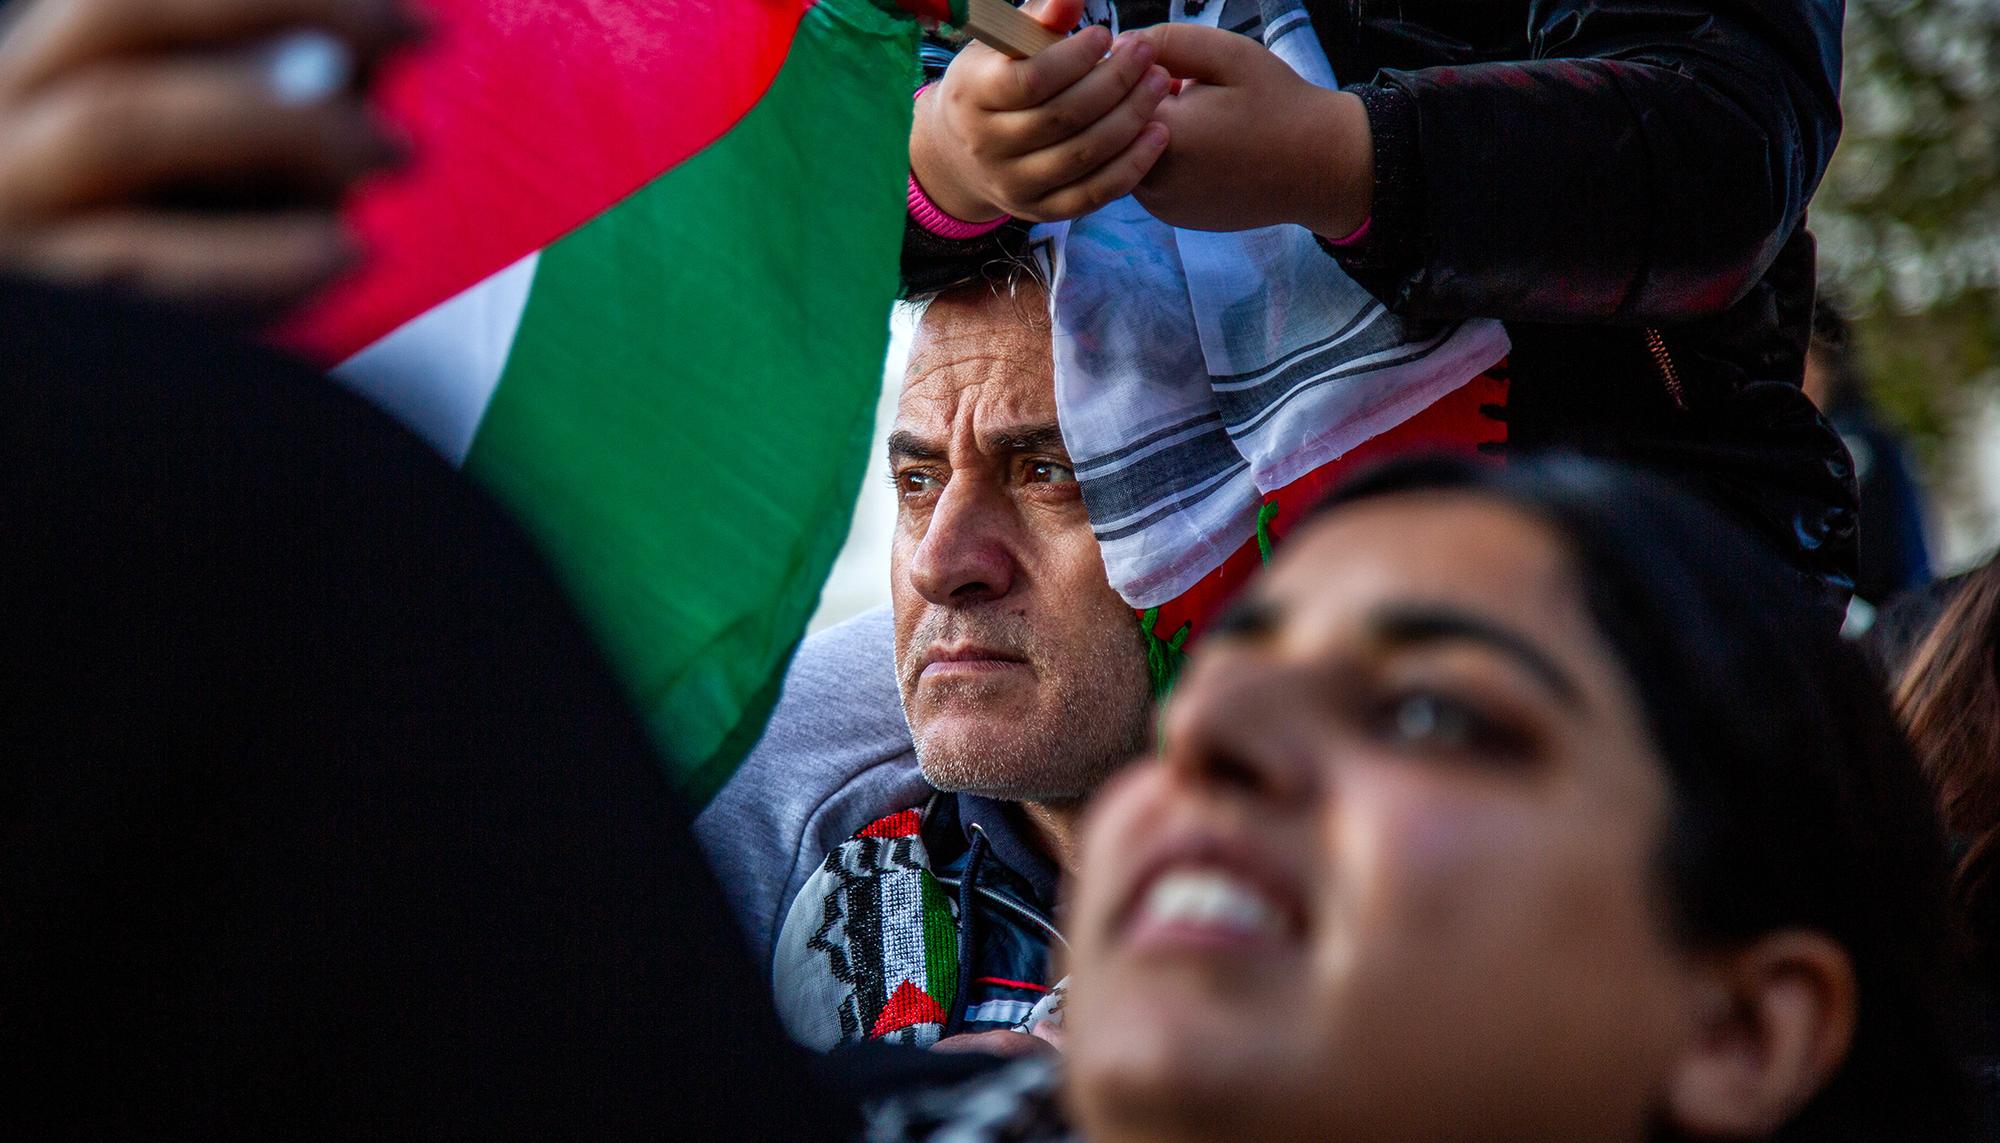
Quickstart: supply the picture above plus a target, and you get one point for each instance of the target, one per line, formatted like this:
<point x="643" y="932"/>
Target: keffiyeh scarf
<point x="1198" y="374"/>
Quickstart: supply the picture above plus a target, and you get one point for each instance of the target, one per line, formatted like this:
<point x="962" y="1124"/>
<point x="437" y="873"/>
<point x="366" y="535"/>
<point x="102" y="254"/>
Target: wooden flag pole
<point x="1005" y="28"/>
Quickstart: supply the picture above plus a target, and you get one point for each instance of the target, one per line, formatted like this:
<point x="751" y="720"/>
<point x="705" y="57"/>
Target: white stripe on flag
<point x="999" y="1012"/>
<point x="437" y="372"/>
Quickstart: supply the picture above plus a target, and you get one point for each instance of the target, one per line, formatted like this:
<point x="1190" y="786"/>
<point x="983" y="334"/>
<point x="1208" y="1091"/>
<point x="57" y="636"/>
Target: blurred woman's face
<point x="1394" y="874"/>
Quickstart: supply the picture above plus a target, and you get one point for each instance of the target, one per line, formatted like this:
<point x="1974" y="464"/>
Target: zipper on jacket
<point x="1656" y="344"/>
<point x="1019" y="910"/>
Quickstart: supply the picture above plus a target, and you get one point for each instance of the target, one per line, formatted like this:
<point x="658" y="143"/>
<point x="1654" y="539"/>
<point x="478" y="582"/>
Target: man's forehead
<point x="981" y="361"/>
<point x="989" y="424"/>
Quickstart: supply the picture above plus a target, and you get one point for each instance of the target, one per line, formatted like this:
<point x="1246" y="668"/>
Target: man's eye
<point x="916" y="483"/>
<point x="1049" y="472"/>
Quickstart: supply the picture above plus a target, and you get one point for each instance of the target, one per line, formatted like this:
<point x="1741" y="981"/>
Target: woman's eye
<point x="1049" y="472"/>
<point x="1426" y="719"/>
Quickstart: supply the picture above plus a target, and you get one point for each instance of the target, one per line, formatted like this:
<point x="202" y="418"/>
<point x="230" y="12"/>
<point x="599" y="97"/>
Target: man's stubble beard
<point x="1100" y="722"/>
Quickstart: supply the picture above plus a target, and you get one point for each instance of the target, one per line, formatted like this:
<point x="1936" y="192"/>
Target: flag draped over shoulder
<point x="638" y="284"/>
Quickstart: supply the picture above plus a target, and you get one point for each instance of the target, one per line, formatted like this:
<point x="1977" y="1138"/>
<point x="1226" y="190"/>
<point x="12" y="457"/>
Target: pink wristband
<point x="927" y="214"/>
<point x="1354" y="239"/>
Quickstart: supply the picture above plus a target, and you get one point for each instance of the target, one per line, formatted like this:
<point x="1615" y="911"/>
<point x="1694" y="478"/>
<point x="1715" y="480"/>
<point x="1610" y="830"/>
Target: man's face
<point x="1394" y="873"/>
<point x="1023" y="673"/>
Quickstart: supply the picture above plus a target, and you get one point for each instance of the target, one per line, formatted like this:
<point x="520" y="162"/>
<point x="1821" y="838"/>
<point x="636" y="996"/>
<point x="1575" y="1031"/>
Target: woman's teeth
<point x="1211" y="899"/>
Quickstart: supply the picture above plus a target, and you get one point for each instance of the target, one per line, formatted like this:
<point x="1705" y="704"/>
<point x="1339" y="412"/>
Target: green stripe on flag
<point x="684" y="415"/>
<point x="940" y="944"/>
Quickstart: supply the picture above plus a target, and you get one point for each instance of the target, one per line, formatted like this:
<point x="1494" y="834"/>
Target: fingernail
<point x="307" y="67"/>
<point x="1156" y="134"/>
<point x="1157" y="83"/>
<point x="1144" y="52"/>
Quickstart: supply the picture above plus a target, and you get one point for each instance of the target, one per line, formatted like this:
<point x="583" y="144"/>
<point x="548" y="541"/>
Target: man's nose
<point x="1240" y="726"/>
<point x="967" y="554"/>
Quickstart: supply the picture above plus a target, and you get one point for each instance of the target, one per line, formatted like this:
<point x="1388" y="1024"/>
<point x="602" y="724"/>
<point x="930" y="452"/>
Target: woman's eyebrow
<point x="1413" y="625"/>
<point x="1247" y="618"/>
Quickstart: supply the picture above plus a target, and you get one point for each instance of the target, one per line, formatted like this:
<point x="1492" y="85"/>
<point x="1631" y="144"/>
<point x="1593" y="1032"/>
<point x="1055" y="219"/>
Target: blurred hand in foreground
<point x="1002" y="1042"/>
<point x="193" y="150"/>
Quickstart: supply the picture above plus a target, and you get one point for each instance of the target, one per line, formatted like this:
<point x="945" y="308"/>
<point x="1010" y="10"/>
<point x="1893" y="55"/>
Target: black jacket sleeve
<point x="1645" y="162"/>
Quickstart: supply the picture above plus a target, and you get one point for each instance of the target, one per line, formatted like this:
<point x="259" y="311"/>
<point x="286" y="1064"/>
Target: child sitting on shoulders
<point x="1623" y="184"/>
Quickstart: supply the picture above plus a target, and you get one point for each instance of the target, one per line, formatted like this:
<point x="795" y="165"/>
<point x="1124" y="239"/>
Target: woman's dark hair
<point x="1948" y="696"/>
<point x="1902" y="623"/>
<point x="1795" y="801"/>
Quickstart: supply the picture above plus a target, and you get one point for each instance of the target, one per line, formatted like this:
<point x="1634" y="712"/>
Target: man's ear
<point x="1778" y="1016"/>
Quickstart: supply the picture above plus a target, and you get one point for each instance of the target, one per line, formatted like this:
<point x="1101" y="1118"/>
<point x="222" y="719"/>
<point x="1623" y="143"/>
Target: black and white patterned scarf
<point x="1197" y="372"/>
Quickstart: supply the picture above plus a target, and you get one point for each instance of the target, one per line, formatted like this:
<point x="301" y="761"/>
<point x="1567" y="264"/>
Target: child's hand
<point x="1051" y="137"/>
<point x="1254" y="144"/>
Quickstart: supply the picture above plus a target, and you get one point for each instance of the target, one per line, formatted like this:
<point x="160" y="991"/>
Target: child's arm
<point x="1647" y="163"/>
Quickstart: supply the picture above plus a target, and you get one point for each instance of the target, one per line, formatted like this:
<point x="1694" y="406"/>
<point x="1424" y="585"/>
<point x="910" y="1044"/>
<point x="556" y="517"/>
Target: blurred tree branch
<point x="1909" y="215"/>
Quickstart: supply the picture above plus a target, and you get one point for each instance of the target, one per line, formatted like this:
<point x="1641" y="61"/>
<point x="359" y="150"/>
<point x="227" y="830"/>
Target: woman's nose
<point x="1241" y="722"/>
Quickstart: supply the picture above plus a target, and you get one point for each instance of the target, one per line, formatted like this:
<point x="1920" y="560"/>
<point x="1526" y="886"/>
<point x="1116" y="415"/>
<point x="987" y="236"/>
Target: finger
<point x="1191" y="51"/>
<point x="1058" y="16"/>
<point x="56" y="36"/>
<point x="1013" y="85"/>
<point x="1109" y="183"/>
<point x="1101" y="142"/>
<point x="261" y="264"/>
<point x="1083" y="103"/>
<point x="114" y="133"/>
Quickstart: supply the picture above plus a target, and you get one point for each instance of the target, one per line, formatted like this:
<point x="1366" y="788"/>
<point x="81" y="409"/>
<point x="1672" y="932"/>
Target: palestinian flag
<point x="639" y="284"/>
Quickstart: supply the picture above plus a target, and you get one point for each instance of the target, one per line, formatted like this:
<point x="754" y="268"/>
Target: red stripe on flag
<point x="529" y="118"/>
<point x="1005" y="983"/>
<point x="904" y="824"/>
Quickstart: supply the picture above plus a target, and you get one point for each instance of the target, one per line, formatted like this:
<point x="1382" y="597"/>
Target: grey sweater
<point x="835" y="757"/>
